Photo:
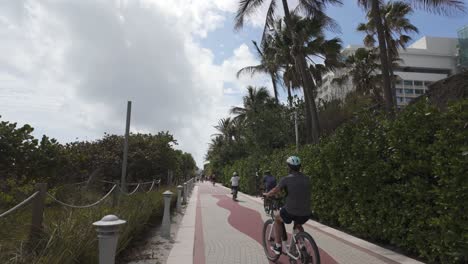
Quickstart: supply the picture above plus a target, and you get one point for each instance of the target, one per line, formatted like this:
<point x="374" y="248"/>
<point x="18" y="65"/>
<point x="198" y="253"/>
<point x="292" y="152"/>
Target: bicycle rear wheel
<point x="309" y="252"/>
<point x="268" y="239"/>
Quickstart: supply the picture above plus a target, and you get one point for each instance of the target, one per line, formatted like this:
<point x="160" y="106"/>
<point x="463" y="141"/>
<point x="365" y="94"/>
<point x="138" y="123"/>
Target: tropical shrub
<point x="399" y="181"/>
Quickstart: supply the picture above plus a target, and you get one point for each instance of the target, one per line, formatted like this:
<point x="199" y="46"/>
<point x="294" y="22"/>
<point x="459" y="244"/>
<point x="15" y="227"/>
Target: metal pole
<point x="125" y="154"/>
<point x="297" y="131"/>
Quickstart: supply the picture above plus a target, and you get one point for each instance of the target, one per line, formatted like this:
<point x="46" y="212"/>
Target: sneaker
<point x="276" y="249"/>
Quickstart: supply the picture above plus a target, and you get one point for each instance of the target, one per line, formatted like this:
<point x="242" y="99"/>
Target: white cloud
<point x="68" y="68"/>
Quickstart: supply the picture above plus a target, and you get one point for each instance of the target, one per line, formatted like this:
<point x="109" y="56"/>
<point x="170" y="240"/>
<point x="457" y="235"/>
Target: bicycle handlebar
<point x="272" y="198"/>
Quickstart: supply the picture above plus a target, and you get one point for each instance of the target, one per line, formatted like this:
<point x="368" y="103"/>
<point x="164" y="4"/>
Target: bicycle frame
<point x="293" y="242"/>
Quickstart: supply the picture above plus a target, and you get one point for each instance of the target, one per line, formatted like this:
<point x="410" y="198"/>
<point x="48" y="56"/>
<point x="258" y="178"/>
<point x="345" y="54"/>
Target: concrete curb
<point x="360" y="244"/>
<point x="182" y="251"/>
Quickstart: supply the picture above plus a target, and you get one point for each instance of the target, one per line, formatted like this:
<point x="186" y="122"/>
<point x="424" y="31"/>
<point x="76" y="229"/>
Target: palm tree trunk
<point x="289" y="94"/>
<point x="388" y="39"/>
<point x="387" y="89"/>
<point x="275" y="88"/>
<point x="392" y="82"/>
<point x="308" y="123"/>
<point x="308" y="85"/>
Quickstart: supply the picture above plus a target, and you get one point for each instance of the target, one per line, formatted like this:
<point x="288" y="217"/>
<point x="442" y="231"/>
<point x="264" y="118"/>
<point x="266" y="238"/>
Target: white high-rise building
<point x="427" y="60"/>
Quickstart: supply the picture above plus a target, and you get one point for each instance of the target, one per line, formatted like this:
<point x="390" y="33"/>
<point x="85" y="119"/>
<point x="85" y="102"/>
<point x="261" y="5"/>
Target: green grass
<point x="69" y="236"/>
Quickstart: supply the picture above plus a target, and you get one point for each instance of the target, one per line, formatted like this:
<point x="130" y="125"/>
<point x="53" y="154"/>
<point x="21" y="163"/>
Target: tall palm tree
<point x="267" y="65"/>
<point x="397" y="27"/>
<point x="310" y="8"/>
<point x="375" y="8"/>
<point x="281" y="46"/>
<point x="252" y="103"/>
<point x="322" y="54"/>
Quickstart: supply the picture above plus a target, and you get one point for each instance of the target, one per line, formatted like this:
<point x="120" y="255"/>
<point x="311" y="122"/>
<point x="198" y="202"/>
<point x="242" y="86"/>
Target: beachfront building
<point x="427" y="60"/>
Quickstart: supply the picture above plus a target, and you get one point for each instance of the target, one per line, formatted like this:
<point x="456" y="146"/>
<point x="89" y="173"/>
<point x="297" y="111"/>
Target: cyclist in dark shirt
<point x="297" y="205"/>
<point x="269" y="182"/>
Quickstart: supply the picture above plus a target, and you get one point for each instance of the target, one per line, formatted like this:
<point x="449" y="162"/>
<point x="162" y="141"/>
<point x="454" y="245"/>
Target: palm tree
<point x="362" y="67"/>
<point x="322" y="54"/>
<point x="216" y="143"/>
<point x="375" y="7"/>
<point x="397" y="27"/>
<point x="225" y="128"/>
<point x="311" y="8"/>
<point x="253" y="102"/>
<point x="267" y="65"/>
<point x="281" y="45"/>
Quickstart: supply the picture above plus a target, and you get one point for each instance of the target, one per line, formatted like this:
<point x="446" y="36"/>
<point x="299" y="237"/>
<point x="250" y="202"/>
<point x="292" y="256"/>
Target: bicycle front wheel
<point x="309" y="252"/>
<point x="268" y="237"/>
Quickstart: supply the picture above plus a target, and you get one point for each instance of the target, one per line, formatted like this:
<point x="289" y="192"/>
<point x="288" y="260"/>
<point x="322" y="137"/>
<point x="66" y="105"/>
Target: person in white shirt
<point x="235" y="185"/>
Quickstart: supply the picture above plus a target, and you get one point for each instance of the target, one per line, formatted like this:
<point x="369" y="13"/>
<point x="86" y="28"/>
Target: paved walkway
<point x="219" y="230"/>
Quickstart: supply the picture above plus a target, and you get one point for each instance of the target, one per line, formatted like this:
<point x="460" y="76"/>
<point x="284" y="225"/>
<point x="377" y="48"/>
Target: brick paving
<point x="230" y="232"/>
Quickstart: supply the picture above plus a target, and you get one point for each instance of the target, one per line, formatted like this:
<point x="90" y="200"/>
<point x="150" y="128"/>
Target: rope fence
<point x="141" y="183"/>
<point x="82" y="206"/>
<point x="76" y="183"/>
<point x="129" y="183"/>
<point x="151" y="188"/>
<point x="132" y="192"/>
<point x="16" y="207"/>
<point x="38" y="201"/>
<point x="32" y="196"/>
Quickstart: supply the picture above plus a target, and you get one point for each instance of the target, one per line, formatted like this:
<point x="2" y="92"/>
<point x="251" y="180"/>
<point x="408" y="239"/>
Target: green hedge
<point x="402" y="182"/>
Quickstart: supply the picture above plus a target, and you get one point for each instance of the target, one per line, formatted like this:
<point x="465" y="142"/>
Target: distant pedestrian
<point x="213" y="179"/>
<point x="234" y="185"/>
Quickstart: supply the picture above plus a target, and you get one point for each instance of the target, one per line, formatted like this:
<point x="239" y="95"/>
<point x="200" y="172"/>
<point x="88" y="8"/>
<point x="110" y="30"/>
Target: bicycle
<point x="297" y="250"/>
<point x="234" y="192"/>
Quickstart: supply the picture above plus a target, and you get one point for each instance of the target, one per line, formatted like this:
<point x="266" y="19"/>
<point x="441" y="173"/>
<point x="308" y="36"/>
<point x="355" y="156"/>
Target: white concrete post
<point x="190" y="186"/>
<point x="108" y="235"/>
<point x="185" y="192"/>
<point x="179" y="198"/>
<point x="166" y="222"/>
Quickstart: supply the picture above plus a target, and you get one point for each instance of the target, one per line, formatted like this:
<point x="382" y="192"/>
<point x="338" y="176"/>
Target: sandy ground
<point x="152" y="248"/>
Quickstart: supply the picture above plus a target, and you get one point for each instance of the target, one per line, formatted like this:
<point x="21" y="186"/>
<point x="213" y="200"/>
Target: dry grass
<point x="69" y="236"/>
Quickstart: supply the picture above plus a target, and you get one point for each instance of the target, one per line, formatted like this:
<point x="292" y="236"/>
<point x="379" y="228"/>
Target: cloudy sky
<point x="68" y="67"/>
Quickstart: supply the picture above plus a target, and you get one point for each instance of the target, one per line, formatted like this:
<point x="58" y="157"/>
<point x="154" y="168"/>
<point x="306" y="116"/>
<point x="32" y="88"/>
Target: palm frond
<point x="269" y="20"/>
<point x="369" y="41"/>
<point x="246" y="8"/>
<point x="444" y="7"/>
<point x="235" y="110"/>
<point x="252" y="70"/>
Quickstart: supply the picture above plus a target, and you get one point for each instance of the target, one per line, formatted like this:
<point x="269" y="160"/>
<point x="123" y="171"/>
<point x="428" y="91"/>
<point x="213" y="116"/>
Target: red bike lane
<point x="243" y="219"/>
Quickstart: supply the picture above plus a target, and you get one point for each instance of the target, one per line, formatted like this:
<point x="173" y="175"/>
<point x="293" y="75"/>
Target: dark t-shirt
<point x="270" y="182"/>
<point x="298" y="198"/>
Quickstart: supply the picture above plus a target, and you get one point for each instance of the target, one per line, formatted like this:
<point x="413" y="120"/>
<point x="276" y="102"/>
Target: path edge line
<point x="184" y="241"/>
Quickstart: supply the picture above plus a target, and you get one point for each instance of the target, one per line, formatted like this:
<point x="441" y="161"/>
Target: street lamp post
<point x="125" y="152"/>
<point x="296" y="129"/>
